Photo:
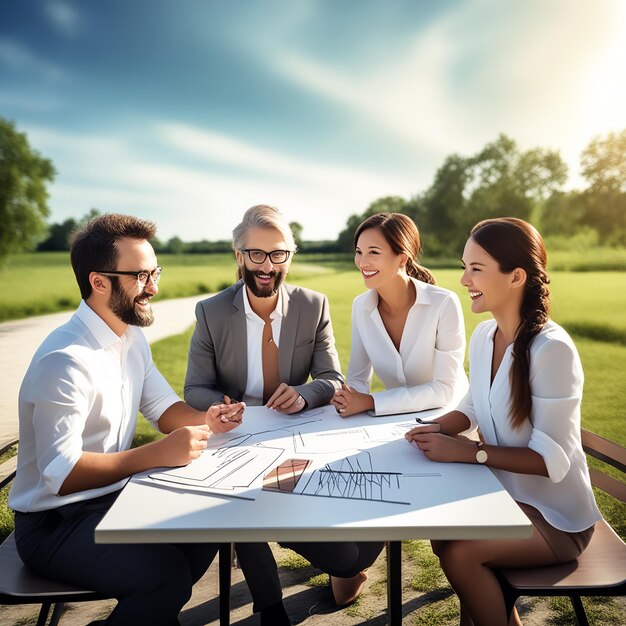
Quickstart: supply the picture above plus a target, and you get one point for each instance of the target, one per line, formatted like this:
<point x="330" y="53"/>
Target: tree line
<point x="503" y="180"/>
<point x="500" y="179"/>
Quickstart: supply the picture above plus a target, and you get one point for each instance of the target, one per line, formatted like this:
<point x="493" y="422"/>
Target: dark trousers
<point x="342" y="559"/>
<point x="152" y="582"/>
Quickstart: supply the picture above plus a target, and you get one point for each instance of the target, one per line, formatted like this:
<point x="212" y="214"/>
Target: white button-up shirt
<point x="427" y="371"/>
<point x="82" y="392"/>
<point x="254" y="330"/>
<point x="564" y="497"/>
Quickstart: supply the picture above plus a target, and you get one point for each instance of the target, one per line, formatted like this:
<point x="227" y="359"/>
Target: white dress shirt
<point x="427" y="371"/>
<point x="82" y="392"/>
<point x="565" y="497"/>
<point x="254" y="329"/>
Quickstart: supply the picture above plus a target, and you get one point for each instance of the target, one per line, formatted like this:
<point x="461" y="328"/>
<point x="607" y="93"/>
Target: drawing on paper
<point x="298" y="457"/>
<point x="285" y="476"/>
<point x="355" y="478"/>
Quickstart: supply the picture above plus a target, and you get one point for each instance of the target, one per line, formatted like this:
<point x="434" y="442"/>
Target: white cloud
<point x="219" y="148"/>
<point x="109" y="173"/>
<point x="64" y="16"/>
<point x="16" y="57"/>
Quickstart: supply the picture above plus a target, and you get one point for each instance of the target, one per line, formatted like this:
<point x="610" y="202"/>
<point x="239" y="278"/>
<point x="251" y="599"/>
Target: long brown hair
<point x="515" y="243"/>
<point x="402" y="235"/>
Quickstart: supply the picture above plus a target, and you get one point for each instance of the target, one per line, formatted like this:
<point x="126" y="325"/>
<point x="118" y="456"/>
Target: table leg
<point x="394" y="583"/>
<point x="225" y="578"/>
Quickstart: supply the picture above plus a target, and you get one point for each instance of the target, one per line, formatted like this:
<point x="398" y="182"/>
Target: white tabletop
<point x="460" y="501"/>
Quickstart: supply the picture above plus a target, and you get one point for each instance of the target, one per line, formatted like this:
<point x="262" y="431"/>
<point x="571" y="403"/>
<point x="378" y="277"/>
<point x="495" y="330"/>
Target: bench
<point x="601" y="569"/>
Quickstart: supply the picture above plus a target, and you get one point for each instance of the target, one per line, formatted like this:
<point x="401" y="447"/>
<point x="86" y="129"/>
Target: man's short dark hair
<point x="94" y="245"/>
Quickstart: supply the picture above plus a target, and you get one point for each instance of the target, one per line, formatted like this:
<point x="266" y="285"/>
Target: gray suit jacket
<point x="218" y="364"/>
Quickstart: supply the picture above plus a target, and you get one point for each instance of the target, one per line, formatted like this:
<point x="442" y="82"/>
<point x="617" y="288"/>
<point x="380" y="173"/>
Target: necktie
<point x="271" y="377"/>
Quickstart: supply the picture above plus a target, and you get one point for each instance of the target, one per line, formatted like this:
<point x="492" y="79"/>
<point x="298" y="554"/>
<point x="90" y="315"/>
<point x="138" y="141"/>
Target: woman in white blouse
<point x="526" y="385"/>
<point x="404" y="328"/>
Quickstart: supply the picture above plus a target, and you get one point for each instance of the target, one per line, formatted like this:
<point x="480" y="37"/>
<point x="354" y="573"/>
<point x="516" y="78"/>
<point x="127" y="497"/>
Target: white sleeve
<point x="61" y="406"/>
<point x="360" y="368"/>
<point x="157" y="394"/>
<point x="556" y="383"/>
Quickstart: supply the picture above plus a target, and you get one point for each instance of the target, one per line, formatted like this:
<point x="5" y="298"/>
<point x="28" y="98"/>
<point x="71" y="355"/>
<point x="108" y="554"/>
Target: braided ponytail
<point x="415" y="270"/>
<point x="534" y="314"/>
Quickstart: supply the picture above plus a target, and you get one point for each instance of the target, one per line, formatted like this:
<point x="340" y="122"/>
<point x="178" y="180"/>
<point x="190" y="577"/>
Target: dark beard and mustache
<point x="123" y="306"/>
<point x="263" y="291"/>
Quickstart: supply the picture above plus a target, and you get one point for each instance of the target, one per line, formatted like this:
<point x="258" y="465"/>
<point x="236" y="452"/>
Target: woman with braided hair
<point x="526" y="385"/>
<point x="406" y="329"/>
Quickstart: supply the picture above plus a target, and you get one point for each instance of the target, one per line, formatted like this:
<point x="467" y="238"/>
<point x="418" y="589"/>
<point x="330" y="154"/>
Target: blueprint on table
<point x="311" y="455"/>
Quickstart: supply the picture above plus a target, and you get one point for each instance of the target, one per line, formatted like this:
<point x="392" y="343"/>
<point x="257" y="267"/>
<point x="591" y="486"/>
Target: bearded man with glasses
<point x="78" y="407"/>
<point x="258" y="342"/>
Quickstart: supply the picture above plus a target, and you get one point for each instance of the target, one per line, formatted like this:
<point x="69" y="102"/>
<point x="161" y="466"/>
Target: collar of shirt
<point x="250" y="314"/>
<point x="101" y="330"/>
<point x="422" y="295"/>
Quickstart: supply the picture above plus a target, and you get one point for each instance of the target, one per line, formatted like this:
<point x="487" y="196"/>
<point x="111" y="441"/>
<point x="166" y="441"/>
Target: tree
<point x="175" y="245"/>
<point x="498" y="181"/>
<point x="58" y="236"/>
<point x="563" y="214"/>
<point x="23" y="194"/>
<point x="604" y="167"/>
<point x="296" y="229"/>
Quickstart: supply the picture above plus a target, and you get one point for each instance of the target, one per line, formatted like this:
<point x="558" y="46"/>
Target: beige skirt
<point x="566" y="546"/>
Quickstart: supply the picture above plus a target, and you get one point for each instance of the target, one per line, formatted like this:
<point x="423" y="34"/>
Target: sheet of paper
<point x="310" y="455"/>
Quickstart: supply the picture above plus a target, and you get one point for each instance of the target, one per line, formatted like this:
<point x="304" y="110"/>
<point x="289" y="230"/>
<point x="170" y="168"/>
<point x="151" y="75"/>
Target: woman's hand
<point x="348" y="402"/>
<point x="442" y="448"/>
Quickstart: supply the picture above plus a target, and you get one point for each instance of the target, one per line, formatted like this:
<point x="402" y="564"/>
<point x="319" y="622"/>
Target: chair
<point x="601" y="569"/>
<point x="19" y="585"/>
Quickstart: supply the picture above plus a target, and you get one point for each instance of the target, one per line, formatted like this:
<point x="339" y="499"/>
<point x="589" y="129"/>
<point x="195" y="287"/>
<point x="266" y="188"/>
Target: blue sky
<point x="189" y="112"/>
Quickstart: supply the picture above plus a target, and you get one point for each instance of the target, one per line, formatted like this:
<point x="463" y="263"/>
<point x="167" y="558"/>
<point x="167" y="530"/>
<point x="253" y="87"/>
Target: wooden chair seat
<point x="18" y="582"/>
<point x="598" y="570"/>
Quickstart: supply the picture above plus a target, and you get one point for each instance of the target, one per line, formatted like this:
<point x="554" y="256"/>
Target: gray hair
<point x="262" y="216"/>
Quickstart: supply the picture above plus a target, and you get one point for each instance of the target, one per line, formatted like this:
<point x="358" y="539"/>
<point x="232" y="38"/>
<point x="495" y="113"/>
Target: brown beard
<point x="123" y="306"/>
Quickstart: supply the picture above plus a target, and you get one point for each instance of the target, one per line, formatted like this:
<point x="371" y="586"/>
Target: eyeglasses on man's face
<point x="142" y="276"/>
<point x="276" y="256"/>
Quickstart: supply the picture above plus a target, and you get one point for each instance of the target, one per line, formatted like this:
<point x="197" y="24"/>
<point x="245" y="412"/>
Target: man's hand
<point x="223" y="417"/>
<point x="286" y="400"/>
<point x="348" y="402"/>
<point x="182" y="446"/>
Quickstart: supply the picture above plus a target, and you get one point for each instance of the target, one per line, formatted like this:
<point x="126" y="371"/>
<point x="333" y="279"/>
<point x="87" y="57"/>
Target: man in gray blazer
<point x="218" y="354"/>
<point x="258" y="342"/>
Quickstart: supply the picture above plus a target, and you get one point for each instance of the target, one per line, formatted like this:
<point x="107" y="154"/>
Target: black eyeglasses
<point x="276" y="256"/>
<point x="142" y="276"/>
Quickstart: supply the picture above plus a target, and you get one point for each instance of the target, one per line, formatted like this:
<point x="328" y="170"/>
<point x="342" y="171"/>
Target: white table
<point x="460" y="502"/>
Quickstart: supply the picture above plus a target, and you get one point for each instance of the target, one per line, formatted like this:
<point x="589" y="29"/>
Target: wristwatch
<point x="481" y="454"/>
